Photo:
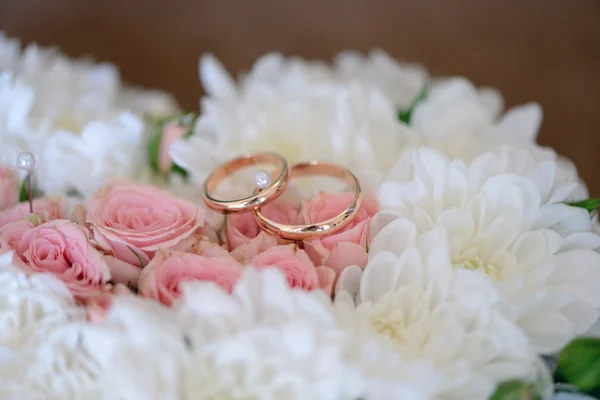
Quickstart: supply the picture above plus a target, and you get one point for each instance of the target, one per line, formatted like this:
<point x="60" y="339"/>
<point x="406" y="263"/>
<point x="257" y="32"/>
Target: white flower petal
<point x="522" y="122"/>
<point x="216" y="80"/>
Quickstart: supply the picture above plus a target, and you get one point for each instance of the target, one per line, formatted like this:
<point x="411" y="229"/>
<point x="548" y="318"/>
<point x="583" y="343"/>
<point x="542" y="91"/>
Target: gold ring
<point x="268" y="189"/>
<point x="327" y="227"/>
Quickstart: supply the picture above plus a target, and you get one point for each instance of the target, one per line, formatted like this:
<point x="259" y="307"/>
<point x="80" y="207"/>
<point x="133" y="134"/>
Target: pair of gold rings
<point x="271" y="186"/>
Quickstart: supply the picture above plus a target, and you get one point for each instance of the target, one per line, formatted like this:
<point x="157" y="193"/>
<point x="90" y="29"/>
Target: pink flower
<point x="171" y="132"/>
<point x="60" y="248"/>
<point x="241" y="228"/>
<point x="246" y="252"/>
<point x="161" y="278"/>
<point x="98" y="306"/>
<point x="347" y="247"/>
<point x="132" y="221"/>
<point x="200" y="241"/>
<point x="54" y="207"/>
<point x="293" y="262"/>
<point x="9" y="187"/>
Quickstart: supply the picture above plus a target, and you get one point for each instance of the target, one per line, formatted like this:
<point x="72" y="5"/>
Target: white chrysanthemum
<point x="10" y="49"/>
<point x="31" y="306"/>
<point x="39" y="355"/>
<point x="140" y="349"/>
<point x="102" y="151"/>
<point x="554" y="179"/>
<point x="539" y="257"/>
<point x="295" y="110"/>
<point x="461" y="120"/>
<point x="52" y="105"/>
<point x="267" y="341"/>
<point x="411" y="296"/>
<point x="401" y="82"/>
<point x="55" y="368"/>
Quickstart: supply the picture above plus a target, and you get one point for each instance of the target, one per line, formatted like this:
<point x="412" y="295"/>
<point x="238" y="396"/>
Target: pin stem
<point x="30" y="193"/>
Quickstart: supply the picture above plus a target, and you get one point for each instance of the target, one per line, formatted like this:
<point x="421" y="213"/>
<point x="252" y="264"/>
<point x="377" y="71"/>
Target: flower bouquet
<point x="143" y="255"/>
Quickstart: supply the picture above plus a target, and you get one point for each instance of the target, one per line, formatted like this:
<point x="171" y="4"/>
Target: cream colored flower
<point x="39" y="329"/>
<point x="412" y="297"/>
<point x="55" y="368"/>
<point x="55" y="106"/>
<point x="280" y="106"/>
<point x="32" y="306"/>
<point x="462" y="121"/>
<point x="140" y="349"/>
<point x="401" y="82"/>
<point x="540" y="257"/>
<point x="268" y="341"/>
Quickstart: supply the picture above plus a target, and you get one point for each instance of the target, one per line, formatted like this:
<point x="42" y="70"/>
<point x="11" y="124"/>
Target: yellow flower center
<point x="476" y="263"/>
<point x="68" y="124"/>
<point x="391" y="328"/>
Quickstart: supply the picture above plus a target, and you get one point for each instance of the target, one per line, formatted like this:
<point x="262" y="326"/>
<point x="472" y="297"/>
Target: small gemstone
<point x="262" y="179"/>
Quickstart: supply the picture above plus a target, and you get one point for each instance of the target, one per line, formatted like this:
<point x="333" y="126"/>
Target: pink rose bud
<point x="54" y="208"/>
<point x="246" y="252"/>
<point x="131" y="222"/>
<point x="293" y="262"/>
<point x="60" y="248"/>
<point x="171" y="132"/>
<point x="347" y="247"/>
<point x="241" y="228"/>
<point x="202" y="241"/>
<point x="9" y="187"/>
<point x="161" y="278"/>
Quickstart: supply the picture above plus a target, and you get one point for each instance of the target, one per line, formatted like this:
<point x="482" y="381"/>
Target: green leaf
<point x="579" y="364"/>
<point x="176" y="169"/>
<point x="153" y="148"/>
<point x="514" y="390"/>
<point x="591" y="204"/>
<point x="138" y="257"/>
<point x="405" y="115"/>
<point x="367" y="246"/>
<point x="23" y="192"/>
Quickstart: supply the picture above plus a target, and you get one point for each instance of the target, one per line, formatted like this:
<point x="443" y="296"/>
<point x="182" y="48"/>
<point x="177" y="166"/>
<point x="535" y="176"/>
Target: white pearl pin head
<point x="26" y="161"/>
<point x="262" y="179"/>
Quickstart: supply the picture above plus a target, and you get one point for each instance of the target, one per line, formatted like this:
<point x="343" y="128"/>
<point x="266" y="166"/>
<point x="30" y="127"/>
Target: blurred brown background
<point x="542" y="50"/>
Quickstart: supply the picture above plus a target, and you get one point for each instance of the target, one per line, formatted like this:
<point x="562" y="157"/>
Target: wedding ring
<point x="268" y="189"/>
<point x="327" y="227"/>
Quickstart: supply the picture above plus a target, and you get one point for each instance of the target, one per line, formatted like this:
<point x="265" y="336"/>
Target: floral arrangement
<point x="471" y="270"/>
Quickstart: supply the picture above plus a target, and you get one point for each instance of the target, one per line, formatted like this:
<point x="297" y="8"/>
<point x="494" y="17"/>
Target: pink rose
<point x="9" y="187"/>
<point x="246" y="252"/>
<point x="60" y="248"/>
<point x="132" y="221"/>
<point x="54" y="207"/>
<point x="199" y="241"/>
<point x="293" y="262"/>
<point x="160" y="279"/>
<point x="241" y="228"/>
<point x="98" y="306"/>
<point x="347" y="247"/>
<point x="202" y="246"/>
<point x="171" y="132"/>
